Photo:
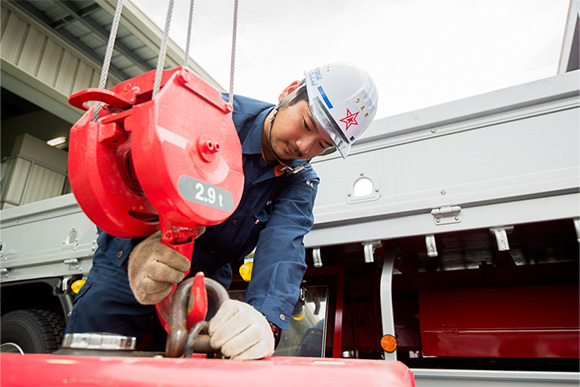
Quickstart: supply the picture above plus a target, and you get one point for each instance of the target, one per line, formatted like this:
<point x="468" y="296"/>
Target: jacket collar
<point x="252" y="144"/>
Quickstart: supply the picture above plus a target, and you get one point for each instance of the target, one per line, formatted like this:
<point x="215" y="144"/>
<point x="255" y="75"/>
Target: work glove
<point x="241" y="332"/>
<point x="154" y="268"/>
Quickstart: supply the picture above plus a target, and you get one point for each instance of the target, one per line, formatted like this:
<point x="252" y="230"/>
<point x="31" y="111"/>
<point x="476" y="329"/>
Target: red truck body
<point x="51" y="370"/>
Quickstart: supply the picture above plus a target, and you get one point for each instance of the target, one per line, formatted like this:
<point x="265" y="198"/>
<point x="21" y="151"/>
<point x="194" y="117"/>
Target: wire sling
<point x="163" y="49"/>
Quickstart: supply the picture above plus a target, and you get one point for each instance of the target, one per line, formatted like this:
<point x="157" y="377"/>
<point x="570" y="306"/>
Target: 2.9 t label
<point x="204" y="193"/>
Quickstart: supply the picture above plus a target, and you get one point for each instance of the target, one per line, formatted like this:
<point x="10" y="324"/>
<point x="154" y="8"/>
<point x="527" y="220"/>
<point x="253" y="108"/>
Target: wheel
<point x="33" y="330"/>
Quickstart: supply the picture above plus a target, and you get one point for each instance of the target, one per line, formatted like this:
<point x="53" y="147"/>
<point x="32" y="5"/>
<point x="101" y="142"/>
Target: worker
<point x="326" y="111"/>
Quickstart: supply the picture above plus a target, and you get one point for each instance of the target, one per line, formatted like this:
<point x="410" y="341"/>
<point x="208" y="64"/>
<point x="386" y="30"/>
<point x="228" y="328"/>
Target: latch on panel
<point x="73" y="264"/>
<point x="447" y="215"/>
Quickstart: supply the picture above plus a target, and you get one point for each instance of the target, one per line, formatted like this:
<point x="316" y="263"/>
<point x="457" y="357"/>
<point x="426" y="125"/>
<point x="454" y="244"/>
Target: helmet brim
<point x="325" y="120"/>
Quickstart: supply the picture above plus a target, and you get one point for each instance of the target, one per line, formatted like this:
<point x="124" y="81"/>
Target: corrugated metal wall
<point x="44" y="56"/>
<point x="39" y="53"/>
<point x="25" y="181"/>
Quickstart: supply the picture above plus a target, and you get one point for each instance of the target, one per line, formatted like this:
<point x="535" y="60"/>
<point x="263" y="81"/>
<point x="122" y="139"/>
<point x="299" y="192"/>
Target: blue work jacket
<point x="274" y="214"/>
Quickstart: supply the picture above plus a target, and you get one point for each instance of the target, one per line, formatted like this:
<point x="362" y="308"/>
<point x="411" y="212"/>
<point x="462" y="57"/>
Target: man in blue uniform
<point x="327" y="111"/>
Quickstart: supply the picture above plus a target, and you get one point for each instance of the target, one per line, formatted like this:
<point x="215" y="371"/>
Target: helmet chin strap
<point x="285" y="167"/>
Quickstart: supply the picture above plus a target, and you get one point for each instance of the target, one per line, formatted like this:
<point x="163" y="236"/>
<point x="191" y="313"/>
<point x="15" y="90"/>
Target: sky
<point x="420" y="52"/>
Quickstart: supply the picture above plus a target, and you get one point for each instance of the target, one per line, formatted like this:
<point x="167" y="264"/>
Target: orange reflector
<point x="389" y="343"/>
<point x="77" y="285"/>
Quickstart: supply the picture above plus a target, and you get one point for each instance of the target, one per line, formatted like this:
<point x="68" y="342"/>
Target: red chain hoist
<point x="157" y="152"/>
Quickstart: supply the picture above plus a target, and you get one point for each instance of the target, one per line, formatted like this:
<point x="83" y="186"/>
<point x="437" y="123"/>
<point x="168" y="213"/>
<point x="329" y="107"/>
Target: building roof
<point x="37" y="80"/>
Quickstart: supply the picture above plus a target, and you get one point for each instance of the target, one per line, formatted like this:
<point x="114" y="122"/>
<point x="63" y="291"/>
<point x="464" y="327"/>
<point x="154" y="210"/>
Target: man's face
<point x="296" y="135"/>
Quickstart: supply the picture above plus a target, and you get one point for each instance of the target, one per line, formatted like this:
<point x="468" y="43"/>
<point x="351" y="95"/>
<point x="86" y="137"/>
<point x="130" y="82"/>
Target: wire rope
<point x="233" y="57"/>
<point x="189" y="29"/>
<point x="109" y="54"/>
<point x="163" y="50"/>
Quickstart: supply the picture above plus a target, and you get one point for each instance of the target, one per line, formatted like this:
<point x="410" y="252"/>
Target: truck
<point x="448" y="241"/>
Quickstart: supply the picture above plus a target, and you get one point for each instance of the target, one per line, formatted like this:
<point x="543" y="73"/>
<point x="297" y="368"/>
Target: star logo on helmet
<point x="350" y="119"/>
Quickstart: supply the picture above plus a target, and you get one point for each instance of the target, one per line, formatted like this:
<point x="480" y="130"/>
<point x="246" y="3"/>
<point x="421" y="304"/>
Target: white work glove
<point x="153" y="269"/>
<point x="241" y="332"/>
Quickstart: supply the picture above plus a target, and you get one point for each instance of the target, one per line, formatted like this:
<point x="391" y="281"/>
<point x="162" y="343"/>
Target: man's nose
<point x="304" y="144"/>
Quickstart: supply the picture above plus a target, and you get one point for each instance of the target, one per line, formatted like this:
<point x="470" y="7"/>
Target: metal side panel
<point x="514" y="163"/>
<point x="48" y="238"/>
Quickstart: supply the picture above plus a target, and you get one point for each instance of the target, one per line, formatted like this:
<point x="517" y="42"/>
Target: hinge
<point x="446" y="215"/>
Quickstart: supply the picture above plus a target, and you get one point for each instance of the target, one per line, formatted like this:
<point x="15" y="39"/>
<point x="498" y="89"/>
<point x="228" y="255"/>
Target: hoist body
<point x="171" y="163"/>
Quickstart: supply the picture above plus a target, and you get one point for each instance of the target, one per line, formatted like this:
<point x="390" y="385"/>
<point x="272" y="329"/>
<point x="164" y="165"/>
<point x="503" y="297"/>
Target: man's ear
<point x="289" y="89"/>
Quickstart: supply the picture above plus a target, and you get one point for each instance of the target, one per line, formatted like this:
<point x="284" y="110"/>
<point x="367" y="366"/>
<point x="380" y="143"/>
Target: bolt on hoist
<point x="157" y="152"/>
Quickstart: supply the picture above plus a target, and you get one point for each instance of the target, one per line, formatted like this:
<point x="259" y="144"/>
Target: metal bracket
<point x="363" y="189"/>
<point x="446" y="215"/>
<point x="431" y="246"/>
<point x="500" y="234"/>
<point x="73" y="264"/>
<point x="72" y="239"/>
<point x="65" y="283"/>
<point x="316" y="258"/>
<point x="369" y="249"/>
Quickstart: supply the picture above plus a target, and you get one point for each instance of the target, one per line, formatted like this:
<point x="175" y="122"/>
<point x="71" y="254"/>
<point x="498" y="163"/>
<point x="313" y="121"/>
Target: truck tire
<point x="33" y="330"/>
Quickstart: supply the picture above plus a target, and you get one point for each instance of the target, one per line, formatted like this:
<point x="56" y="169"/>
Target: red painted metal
<point x="334" y="278"/>
<point x="197" y="304"/>
<point x="516" y="322"/>
<point x="172" y="163"/>
<point x="51" y="370"/>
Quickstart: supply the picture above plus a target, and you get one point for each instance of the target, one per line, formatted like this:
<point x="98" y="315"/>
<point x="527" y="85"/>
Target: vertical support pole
<point x="338" y="319"/>
<point x="386" y="294"/>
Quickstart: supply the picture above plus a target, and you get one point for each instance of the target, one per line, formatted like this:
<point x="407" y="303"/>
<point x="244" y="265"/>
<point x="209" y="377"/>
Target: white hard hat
<point x="343" y="100"/>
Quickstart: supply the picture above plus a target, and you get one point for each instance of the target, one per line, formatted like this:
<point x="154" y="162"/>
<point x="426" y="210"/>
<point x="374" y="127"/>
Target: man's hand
<point x="241" y="332"/>
<point x="154" y="268"/>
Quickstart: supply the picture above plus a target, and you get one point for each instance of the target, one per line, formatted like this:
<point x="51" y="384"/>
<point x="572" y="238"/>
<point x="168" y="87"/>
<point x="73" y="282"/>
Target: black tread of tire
<point x="50" y="324"/>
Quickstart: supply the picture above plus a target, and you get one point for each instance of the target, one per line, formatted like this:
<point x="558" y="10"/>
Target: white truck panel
<point x="48" y="238"/>
<point x="494" y="163"/>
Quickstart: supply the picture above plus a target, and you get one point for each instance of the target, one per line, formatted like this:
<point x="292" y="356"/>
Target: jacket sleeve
<point x="117" y="250"/>
<point x="279" y="260"/>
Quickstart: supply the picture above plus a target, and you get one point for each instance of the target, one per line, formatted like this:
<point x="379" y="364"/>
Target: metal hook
<point x="177" y="336"/>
